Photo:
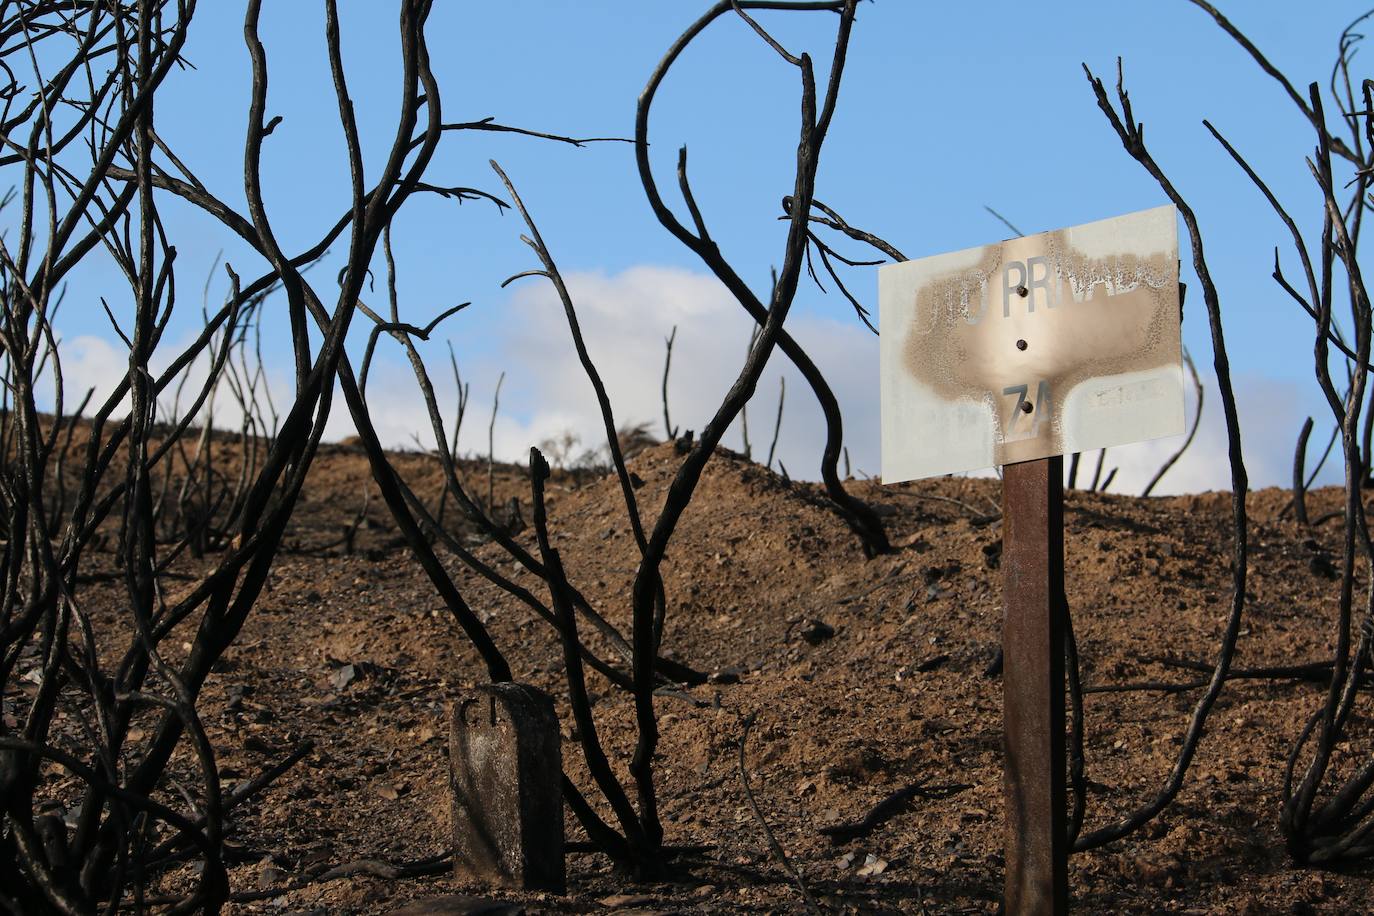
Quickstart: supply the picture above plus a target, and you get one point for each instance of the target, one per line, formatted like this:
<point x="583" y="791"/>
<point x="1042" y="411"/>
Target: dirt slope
<point x="758" y="576"/>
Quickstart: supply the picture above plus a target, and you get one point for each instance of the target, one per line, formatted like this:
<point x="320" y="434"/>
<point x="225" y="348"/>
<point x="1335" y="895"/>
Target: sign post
<point x="1016" y="354"/>
<point x="1033" y="687"/>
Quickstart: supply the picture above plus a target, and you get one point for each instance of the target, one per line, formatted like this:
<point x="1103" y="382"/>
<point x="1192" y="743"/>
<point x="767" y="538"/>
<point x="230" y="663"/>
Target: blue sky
<point x="945" y="108"/>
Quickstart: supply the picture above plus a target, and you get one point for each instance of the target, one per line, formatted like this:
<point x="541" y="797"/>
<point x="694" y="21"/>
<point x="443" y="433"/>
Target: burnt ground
<point x="895" y="695"/>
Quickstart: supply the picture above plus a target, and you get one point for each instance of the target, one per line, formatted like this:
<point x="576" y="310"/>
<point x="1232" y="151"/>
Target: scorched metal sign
<point x="1042" y="345"/>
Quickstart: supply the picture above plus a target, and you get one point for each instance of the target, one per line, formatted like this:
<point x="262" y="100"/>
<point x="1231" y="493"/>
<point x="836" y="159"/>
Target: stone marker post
<point x="506" y="772"/>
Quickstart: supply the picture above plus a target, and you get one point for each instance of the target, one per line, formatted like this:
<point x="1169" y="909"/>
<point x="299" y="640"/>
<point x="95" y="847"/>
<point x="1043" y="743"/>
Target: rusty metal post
<point x="1033" y="688"/>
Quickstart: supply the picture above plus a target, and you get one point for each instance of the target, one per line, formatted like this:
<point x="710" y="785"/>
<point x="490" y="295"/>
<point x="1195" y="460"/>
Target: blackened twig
<point x="889" y="808"/>
<point x="773" y="845"/>
<point x="669" y="429"/>
<point x="1192" y="432"/>
<point x="1130" y="133"/>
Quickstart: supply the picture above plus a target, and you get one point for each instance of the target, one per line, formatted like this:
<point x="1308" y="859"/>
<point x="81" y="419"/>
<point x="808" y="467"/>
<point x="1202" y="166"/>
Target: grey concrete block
<point x="506" y="770"/>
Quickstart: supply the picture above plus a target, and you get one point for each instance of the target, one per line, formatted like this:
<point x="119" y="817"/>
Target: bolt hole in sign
<point x="1042" y="345"/>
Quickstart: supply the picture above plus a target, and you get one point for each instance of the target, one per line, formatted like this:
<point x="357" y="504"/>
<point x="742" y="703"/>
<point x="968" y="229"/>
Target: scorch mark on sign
<point x="1016" y="332"/>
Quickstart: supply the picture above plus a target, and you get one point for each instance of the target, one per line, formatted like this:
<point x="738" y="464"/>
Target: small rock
<point x="872" y="866"/>
<point x="258" y="746"/>
<point x="915" y="542"/>
<point x="343" y="676"/>
<point x="459" y="905"/>
<point x="269" y="875"/>
<point x="1321" y="566"/>
<point x="930" y="664"/>
<point x="235" y="694"/>
<point x="816" y="632"/>
<point x="621" y="901"/>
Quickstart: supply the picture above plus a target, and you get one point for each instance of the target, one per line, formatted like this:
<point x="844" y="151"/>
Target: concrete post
<point x="506" y="771"/>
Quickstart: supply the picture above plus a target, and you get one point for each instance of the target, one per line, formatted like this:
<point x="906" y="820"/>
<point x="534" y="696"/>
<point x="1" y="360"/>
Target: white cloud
<point x="625" y="319"/>
<point x="89" y="362"/>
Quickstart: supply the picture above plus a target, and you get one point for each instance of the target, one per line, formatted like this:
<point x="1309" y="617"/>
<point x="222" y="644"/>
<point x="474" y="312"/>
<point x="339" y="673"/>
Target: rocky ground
<point x="864" y="677"/>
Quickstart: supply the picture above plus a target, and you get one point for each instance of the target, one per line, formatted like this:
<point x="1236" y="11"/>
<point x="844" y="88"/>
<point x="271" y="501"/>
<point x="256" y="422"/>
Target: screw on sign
<point x="1016" y="354"/>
